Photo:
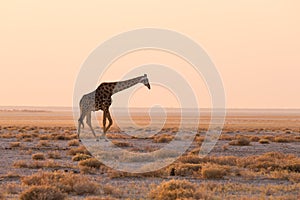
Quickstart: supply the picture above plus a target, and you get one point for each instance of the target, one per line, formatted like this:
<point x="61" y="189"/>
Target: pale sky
<point x="254" y="44"/>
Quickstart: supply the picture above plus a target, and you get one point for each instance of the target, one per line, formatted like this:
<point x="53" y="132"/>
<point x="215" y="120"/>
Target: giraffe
<point x="100" y="99"/>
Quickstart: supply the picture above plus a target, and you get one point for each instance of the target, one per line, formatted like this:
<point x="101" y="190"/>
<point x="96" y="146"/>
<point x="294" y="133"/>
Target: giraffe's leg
<point x="104" y="123"/>
<point x="110" y="122"/>
<point x="80" y="122"/>
<point x="89" y="123"/>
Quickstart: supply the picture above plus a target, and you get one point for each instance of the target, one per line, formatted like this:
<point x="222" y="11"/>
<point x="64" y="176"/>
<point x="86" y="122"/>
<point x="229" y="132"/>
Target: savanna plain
<point x="256" y="157"/>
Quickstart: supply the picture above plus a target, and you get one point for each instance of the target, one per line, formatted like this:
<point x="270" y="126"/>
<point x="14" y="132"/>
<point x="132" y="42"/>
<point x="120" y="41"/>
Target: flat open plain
<point x="257" y="156"/>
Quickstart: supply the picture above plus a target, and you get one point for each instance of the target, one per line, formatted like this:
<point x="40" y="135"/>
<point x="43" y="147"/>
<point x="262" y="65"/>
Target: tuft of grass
<point x="79" y="157"/>
<point x="174" y="189"/>
<point x="242" y="141"/>
<point x="264" y="141"/>
<point x="14" y="144"/>
<point x="44" y="192"/>
<point x="65" y="182"/>
<point x="163" y="138"/>
<point x="282" y="139"/>
<point x="38" y="156"/>
<point x="73" y="142"/>
<point x="54" y="155"/>
<point x="78" y="150"/>
<point x="122" y="144"/>
<point x="212" y="171"/>
<point x="90" y="162"/>
<point x="43" y="143"/>
<point x="13" y="188"/>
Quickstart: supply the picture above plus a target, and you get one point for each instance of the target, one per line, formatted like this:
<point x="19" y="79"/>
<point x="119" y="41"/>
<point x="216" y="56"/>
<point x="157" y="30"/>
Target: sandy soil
<point x="15" y="123"/>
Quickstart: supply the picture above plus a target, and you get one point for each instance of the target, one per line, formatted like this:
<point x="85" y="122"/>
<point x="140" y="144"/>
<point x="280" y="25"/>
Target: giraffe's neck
<point x="122" y="85"/>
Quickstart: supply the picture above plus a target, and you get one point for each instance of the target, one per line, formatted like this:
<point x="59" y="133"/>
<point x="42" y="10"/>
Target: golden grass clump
<point x="282" y="139"/>
<point x="122" y="144"/>
<point x="14" y="144"/>
<point x="65" y="182"/>
<point x="163" y="138"/>
<point x="264" y="141"/>
<point x="43" y="143"/>
<point x="78" y="150"/>
<point x="90" y="162"/>
<point x="79" y="157"/>
<point x="44" y="192"/>
<point x="241" y="141"/>
<point x="54" y="155"/>
<point x="174" y="189"/>
<point x="38" y="156"/>
<point x="213" y="171"/>
<point x="73" y="142"/>
<point x="271" y="161"/>
<point x="185" y="169"/>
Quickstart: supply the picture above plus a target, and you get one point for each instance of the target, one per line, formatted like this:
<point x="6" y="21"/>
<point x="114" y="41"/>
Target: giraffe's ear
<point x="145" y="75"/>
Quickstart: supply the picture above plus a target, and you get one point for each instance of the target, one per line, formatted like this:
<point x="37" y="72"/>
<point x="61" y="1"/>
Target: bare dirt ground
<point x="256" y="157"/>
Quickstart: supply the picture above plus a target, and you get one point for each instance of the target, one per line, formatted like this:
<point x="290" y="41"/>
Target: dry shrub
<point x="43" y="143"/>
<point x="36" y="164"/>
<point x="195" y="159"/>
<point x="14" y="144"/>
<point x="174" y="189"/>
<point x="90" y="162"/>
<point x="213" y="171"/>
<point x="122" y="144"/>
<point x="27" y="140"/>
<point x="45" y="137"/>
<point x="65" y="182"/>
<point x="20" y="164"/>
<point x="23" y="135"/>
<point x="38" y="156"/>
<point x="79" y="157"/>
<point x="254" y="138"/>
<point x="7" y="135"/>
<point x="163" y="138"/>
<point x="226" y="137"/>
<point x="73" y="142"/>
<point x="271" y="161"/>
<point x="242" y="141"/>
<point x="13" y="188"/>
<point x="78" y="150"/>
<point x="99" y="198"/>
<point x="264" y="141"/>
<point x="43" y="193"/>
<point x="186" y="169"/>
<point x="282" y="139"/>
<point x="54" y="155"/>
<point x="222" y="160"/>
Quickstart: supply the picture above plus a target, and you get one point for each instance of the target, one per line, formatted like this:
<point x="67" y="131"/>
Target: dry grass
<point x="54" y="155"/>
<point x="174" y="189"/>
<point x="13" y="188"/>
<point x="79" y="157"/>
<point x="38" y="156"/>
<point x="264" y="141"/>
<point x="122" y="144"/>
<point x="90" y="162"/>
<point x="14" y="144"/>
<point x="213" y="171"/>
<point x="43" y="143"/>
<point x="73" y="142"/>
<point x="78" y="150"/>
<point x="241" y="141"/>
<point x="65" y="182"/>
<point x="44" y="192"/>
<point x="37" y="164"/>
<point x="163" y="138"/>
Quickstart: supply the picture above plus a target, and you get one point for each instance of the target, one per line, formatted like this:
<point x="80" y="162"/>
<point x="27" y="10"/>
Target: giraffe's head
<point x="145" y="81"/>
